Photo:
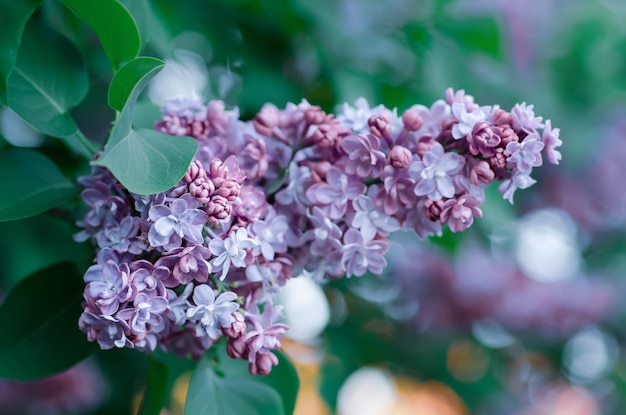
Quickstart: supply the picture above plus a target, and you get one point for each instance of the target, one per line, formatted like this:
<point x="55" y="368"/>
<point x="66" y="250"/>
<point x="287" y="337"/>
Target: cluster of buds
<point x="293" y="190"/>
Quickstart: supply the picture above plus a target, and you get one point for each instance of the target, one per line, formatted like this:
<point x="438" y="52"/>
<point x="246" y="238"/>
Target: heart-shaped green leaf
<point x="31" y="184"/>
<point x="48" y="80"/>
<point x="209" y="393"/>
<point x="13" y="18"/>
<point x="114" y="26"/>
<point x="148" y="162"/>
<point x="145" y="161"/>
<point x="38" y="321"/>
<point x="127" y="77"/>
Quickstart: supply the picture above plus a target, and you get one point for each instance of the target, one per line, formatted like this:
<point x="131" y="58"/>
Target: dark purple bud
<point x="433" y="209"/>
<point x="237" y="348"/>
<point x="263" y="364"/>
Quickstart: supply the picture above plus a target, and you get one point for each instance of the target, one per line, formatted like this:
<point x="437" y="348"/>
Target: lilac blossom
<point x="524" y="118"/>
<point x="519" y="180"/>
<point x="108" y="331"/>
<point x="525" y="155"/>
<point x="178" y="304"/>
<point x="111" y="288"/>
<point x="360" y="255"/>
<point x="294" y="193"/>
<point x="231" y="250"/>
<point x="433" y="117"/>
<point x="466" y="119"/>
<point x="356" y="117"/>
<point x="325" y="233"/>
<point x="186" y="264"/>
<point x="333" y="195"/>
<point x="370" y="220"/>
<point x="148" y="278"/>
<point x="364" y="157"/>
<point x="295" y="190"/>
<point x="146" y="310"/>
<point x="550" y="139"/>
<point x="459" y="213"/>
<point x="263" y="337"/>
<point x="211" y="313"/>
<point x="434" y="173"/>
<point x="120" y="236"/>
<point x="270" y="235"/>
<point x="175" y="222"/>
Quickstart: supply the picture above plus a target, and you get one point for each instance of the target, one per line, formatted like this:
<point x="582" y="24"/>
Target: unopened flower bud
<point x="237" y="327"/>
<point x="314" y="115"/>
<point x="412" y="120"/>
<point x="424" y="144"/>
<point x="218" y="209"/>
<point x="379" y="126"/>
<point x="400" y="157"/>
<point x="502" y="118"/>
<point x="266" y="120"/>
<point x="195" y="171"/>
<point x="202" y="189"/>
<point x="482" y="172"/>
<point x="433" y="209"/>
<point x="263" y="363"/>
<point x="237" y="348"/>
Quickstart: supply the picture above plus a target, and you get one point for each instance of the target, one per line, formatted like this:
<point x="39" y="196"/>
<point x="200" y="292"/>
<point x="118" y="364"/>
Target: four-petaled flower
<point x="434" y="173"/>
<point x="175" y="222"/>
<point x="231" y="250"/>
<point x="210" y="313"/>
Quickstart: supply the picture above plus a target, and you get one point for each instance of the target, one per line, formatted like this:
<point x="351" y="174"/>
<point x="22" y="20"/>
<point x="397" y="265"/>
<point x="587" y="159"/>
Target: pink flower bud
<point x="195" y="171"/>
<point x="314" y="115"/>
<point x="218" y="209"/>
<point x="433" y="209"/>
<point x="266" y="120"/>
<point x="412" y="120"/>
<point x="263" y="363"/>
<point x="400" y="157"/>
<point x="379" y="126"/>
<point x="481" y="172"/>
<point x="202" y="189"/>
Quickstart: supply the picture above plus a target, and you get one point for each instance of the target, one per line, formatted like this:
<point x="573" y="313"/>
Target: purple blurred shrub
<point x="295" y="189"/>
<point x="78" y="390"/>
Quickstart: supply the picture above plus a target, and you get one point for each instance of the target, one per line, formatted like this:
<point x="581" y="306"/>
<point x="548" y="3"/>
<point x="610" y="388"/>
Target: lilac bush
<point x="295" y="189"/>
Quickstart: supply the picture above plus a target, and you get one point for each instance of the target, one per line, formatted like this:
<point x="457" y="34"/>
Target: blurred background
<point x="522" y="314"/>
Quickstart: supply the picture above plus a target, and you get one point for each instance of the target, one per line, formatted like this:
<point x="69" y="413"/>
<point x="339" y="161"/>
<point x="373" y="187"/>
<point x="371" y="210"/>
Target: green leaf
<point x="209" y="393"/>
<point x="13" y="18"/>
<point x="145" y="161"/>
<point x="38" y="321"/>
<point x="49" y="79"/>
<point x="148" y="162"/>
<point x="127" y="77"/>
<point x="31" y="184"/>
<point x="155" y="394"/>
<point x="114" y="26"/>
<point x="284" y="379"/>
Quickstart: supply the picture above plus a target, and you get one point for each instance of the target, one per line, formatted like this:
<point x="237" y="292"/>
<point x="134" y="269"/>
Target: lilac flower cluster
<point x="293" y="190"/>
